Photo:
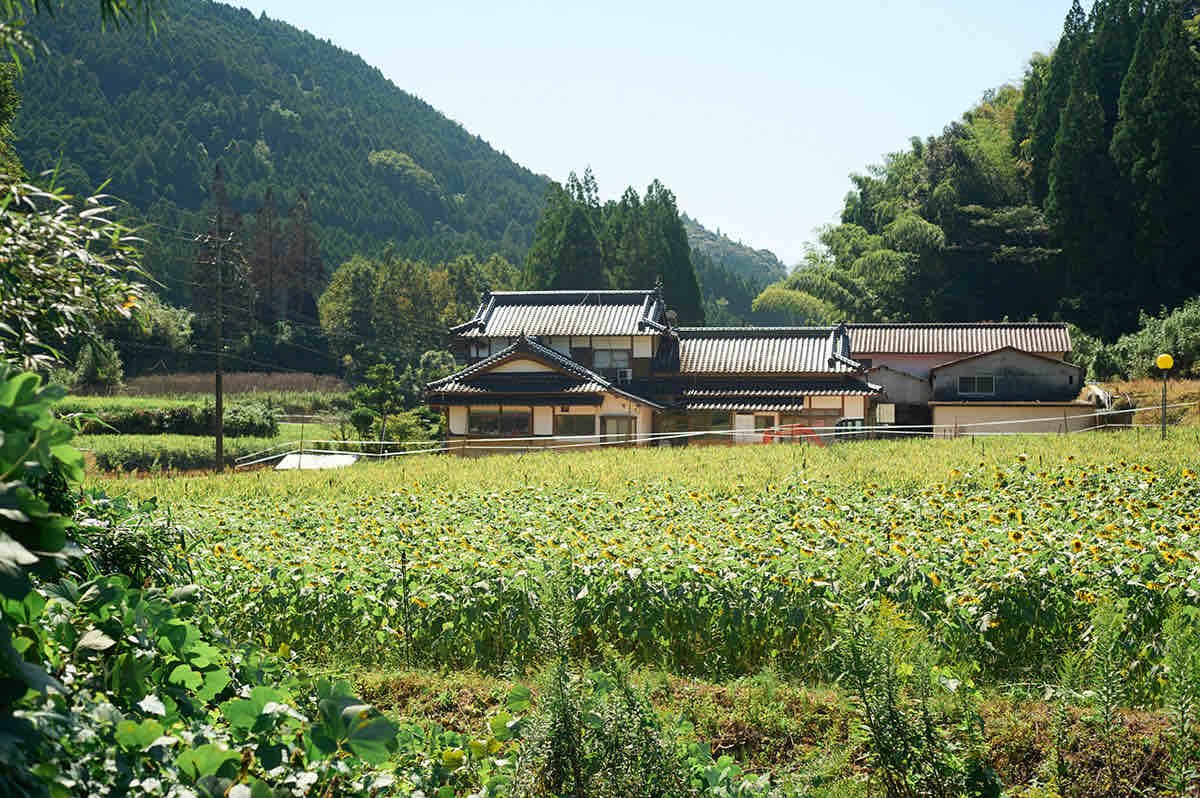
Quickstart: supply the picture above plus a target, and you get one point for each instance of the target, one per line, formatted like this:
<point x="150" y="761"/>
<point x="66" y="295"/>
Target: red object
<point x="792" y="433"/>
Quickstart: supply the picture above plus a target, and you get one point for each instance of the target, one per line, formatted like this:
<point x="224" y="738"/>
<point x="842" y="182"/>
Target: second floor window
<point x="978" y="384"/>
<point x="612" y="359"/>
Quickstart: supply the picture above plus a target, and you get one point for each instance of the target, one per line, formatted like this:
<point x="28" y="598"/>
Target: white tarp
<point x="315" y="462"/>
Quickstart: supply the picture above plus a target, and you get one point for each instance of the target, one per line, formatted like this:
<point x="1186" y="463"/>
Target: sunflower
<point x="1076" y="545"/>
<point x="1016" y="536"/>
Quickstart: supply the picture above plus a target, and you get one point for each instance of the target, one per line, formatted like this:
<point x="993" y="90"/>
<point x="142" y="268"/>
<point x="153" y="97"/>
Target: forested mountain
<point x="1072" y="195"/>
<point x="282" y="111"/>
<point x="753" y="265"/>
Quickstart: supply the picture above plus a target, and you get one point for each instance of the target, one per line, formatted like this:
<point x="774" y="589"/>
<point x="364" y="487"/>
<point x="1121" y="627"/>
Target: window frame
<point x="608" y="355"/>
<point x="591" y="417"/>
<point x="498" y="431"/>
<point x="973" y="381"/>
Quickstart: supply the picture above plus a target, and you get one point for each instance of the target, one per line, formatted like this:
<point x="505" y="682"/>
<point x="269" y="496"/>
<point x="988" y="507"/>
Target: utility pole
<point x="218" y="242"/>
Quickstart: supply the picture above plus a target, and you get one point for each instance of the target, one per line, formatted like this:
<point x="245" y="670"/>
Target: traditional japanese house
<point x="585" y="367"/>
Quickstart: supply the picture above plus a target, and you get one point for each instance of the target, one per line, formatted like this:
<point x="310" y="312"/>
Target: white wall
<point x="988" y="418"/>
<point x="458" y="420"/>
<point x="543" y="420"/>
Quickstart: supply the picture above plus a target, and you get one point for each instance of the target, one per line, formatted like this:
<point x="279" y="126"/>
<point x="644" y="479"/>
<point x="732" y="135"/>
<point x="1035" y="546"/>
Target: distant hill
<point x="756" y="266"/>
<point x="280" y="109"/>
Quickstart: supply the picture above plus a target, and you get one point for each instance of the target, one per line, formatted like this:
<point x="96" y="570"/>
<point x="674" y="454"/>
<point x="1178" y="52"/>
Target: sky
<point x="754" y="114"/>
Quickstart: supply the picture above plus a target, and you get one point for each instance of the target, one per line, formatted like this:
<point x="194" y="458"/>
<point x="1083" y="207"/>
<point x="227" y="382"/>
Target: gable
<point x="521" y="365"/>
<point x="1007" y="361"/>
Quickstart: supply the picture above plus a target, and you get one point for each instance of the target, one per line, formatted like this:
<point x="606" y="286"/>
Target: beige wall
<point x="520" y="365"/>
<point x="1069" y="418"/>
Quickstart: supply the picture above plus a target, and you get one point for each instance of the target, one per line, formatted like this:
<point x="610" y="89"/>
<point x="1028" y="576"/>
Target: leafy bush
<point x="362" y="419"/>
<point x="1176" y="332"/>
<point x="119" y="416"/>
<point x="119" y="536"/>
<point x="920" y="721"/>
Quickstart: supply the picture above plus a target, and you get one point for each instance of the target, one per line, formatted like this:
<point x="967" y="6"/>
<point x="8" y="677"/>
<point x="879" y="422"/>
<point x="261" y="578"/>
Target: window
<point x="764" y="422"/>
<point x="491" y="422"/>
<point x="618" y="427"/>
<point x="979" y="384"/>
<point x="865" y="362"/>
<point x="575" y="425"/>
<point x="611" y="359"/>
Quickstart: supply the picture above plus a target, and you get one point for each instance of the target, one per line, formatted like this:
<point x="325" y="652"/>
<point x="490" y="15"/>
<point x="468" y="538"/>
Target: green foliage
<point x="362" y="419"/>
<point x="908" y="704"/>
<point x="98" y="368"/>
<point x="1132" y="355"/>
<point x="122" y="416"/>
<point x="160" y="452"/>
<point x="64" y="269"/>
<point x="1058" y="198"/>
<point x="755" y="266"/>
<point x="10" y="101"/>
<point x="399" y="310"/>
<point x="1182" y="697"/>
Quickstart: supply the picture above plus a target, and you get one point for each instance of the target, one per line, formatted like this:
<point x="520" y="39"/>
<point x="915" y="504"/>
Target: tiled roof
<point x="476" y="380"/>
<point x="781" y="390"/>
<point x="749" y="406"/>
<point x="521" y="383"/>
<point x="508" y="314"/>
<point x="957" y="339"/>
<point x="757" y="350"/>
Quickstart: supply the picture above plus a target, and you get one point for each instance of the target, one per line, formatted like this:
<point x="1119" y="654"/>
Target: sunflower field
<point x="1001" y="561"/>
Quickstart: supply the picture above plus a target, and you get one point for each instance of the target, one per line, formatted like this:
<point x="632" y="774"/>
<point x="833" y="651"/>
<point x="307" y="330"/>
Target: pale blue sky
<point x="752" y="113"/>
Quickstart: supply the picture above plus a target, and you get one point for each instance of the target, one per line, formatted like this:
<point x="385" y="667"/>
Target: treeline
<point x="628" y="243"/>
<point x="1070" y="196"/>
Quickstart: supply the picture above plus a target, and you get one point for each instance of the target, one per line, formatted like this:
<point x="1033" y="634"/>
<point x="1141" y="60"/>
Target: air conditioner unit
<point x="624" y="375"/>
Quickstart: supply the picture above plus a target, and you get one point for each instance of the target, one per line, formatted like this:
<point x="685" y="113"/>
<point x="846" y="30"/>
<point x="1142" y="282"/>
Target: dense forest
<point x="1071" y="196"/>
<point x="282" y="111"/>
<point x="225" y="123"/>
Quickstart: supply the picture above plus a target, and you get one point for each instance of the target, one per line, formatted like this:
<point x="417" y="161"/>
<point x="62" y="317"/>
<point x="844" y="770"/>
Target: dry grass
<point x="235" y="382"/>
<point x="1146" y="393"/>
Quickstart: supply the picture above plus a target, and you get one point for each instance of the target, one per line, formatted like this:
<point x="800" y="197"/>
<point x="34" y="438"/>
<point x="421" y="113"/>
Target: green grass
<point x="163" y="453"/>
<point x="900" y="464"/>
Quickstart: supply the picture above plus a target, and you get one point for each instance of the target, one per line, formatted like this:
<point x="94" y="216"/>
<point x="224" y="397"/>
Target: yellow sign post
<point x="1164" y="362"/>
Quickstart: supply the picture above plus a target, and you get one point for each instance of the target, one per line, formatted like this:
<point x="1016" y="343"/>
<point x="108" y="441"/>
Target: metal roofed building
<point x="580" y="368"/>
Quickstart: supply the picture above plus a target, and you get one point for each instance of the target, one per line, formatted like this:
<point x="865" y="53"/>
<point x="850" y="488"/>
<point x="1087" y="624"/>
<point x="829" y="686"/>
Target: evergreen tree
<point x="541" y="267"/>
<point x="670" y="255"/>
<point x="578" y="259"/>
<point x="1052" y="98"/>
<point x="1170" y="214"/>
<point x="1133" y="134"/>
<point x="266" y="256"/>
<point x="304" y="269"/>
<point x="1082" y="204"/>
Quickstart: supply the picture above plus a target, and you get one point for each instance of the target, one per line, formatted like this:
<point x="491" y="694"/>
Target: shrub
<point x="362" y="419"/>
<point x="119" y="416"/>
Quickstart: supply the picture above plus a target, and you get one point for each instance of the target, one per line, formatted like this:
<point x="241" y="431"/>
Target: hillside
<point x="755" y="266"/>
<point x="1070" y="195"/>
<point x="280" y="109"/>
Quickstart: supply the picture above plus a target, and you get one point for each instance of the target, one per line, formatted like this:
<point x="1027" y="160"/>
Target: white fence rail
<point x="390" y="449"/>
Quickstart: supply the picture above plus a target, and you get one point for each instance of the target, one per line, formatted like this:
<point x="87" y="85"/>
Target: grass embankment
<point x="1146" y="394"/>
<point x="721" y="572"/>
